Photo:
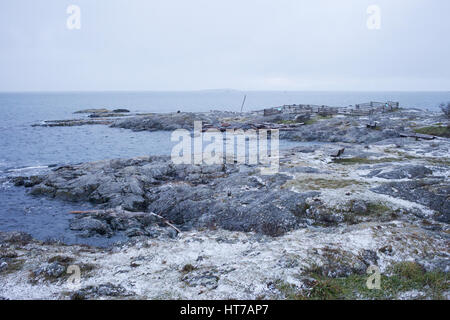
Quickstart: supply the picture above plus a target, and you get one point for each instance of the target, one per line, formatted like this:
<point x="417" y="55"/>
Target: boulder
<point x="50" y="270"/>
<point x="16" y="237"/>
<point x="98" y="291"/>
<point x="432" y="193"/>
<point x="90" y="226"/>
<point x="406" y="172"/>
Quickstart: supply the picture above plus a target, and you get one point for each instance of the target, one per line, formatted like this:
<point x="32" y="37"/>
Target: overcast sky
<point x="212" y="44"/>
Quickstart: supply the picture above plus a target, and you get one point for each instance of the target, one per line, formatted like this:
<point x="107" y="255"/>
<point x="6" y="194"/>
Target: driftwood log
<point x="338" y="153"/>
<point x="372" y="125"/>
<point x="417" y="136"/>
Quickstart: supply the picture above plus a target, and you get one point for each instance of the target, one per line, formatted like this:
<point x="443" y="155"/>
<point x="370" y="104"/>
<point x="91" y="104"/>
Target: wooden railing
<point x="361" y="109"/>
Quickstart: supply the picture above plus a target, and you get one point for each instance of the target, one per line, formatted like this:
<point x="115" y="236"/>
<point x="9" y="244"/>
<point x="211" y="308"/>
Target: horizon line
<point x="203" y="90"/>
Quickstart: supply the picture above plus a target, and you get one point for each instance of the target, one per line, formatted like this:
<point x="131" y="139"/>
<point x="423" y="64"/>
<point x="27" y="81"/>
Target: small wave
<point x="5" y="183"/>
<point x="26" y="168"/>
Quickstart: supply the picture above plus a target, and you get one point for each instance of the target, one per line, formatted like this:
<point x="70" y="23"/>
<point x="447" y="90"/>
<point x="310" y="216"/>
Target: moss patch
<point x="188" y="268"/>
<point x="438" y="161"/>
<point x="317" y="118"/>
<point x="287" y="122"/>
<point x="65" y="262"/>
<point x="375" y="212"/>
<point x="435" y="131"/>
<point x="319" y="184"/>
<point x="320" y="117"/>
<point x="62" y="260"/>
<point x="310" y="121"/>
<point x="378" y="209"/>
<point x="13" y="266"/>
<point x="357" y="160"/>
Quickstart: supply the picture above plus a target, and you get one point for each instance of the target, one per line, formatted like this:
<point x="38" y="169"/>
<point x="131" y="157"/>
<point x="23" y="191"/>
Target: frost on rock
<point x="228" y="232"/>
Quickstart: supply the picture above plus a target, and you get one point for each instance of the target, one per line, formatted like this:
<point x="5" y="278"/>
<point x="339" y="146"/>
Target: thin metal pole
<point x="243" y="102"/>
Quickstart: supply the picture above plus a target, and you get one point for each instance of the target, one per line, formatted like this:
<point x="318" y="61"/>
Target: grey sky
<point x="239" y="44"/>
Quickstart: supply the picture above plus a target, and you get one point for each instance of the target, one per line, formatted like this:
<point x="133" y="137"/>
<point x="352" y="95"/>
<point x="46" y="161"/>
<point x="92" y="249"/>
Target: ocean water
<point x="26" y="150"/>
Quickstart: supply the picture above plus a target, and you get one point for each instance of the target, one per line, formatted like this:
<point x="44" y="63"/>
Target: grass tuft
<point x="188" y="268"/>
<point x="402" y="277"/>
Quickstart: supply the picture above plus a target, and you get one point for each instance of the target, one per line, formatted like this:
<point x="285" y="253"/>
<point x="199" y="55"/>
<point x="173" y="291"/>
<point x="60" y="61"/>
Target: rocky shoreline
<point x="322" y="220"/>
